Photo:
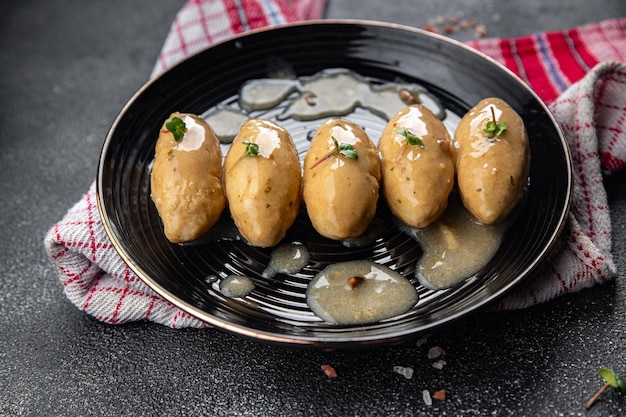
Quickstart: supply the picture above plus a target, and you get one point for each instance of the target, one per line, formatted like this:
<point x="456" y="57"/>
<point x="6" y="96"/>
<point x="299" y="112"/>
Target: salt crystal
<point x="405" y="371"/>
<point x="439" y="364"/>
<point x="426" y="396"/>
<point x="435" y="352"/>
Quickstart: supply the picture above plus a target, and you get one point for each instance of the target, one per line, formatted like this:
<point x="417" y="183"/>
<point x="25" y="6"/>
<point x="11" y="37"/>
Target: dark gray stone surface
<point x="66" y="70"/>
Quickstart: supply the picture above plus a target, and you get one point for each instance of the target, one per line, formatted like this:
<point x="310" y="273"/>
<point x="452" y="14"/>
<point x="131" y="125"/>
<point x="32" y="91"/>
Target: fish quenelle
<point x="263" y="181"/>
<point x="186" y="178"/>
<point x="493" y="160"/>
<point x="342" y="173"/>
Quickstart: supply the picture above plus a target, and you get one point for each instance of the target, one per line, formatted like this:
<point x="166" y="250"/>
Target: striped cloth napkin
<point x="576" y="71"/>
<point x="581" y="74"/>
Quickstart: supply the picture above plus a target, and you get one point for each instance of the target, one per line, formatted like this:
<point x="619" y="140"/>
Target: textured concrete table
<point x="67" y="68"/>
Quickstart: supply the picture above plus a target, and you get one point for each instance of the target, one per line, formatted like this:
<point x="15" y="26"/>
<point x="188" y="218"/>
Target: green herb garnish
<point x="494" y="127"/>
<point x="345" y="149"/>
<point x="177" y="127"/>
<point x="611" y="380"/>
<point x="252" y="149"/>
<point x="411" y="138"/>
<point x="342" y="148"/>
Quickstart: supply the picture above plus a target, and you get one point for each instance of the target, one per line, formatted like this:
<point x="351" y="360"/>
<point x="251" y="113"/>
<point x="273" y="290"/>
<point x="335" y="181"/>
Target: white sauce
<point x="337" y="92"/>
<point x="381" y="293"/>
<point x="194" y="136"/>
<point x="368" y="237"/>
<point x="226" y="123"/>
<point x="332" y="92"/>
<point x="267" y="138"/>
<point x="236" y="286"/>
<point x="266" y="93"/>
<point x="456" y="246"/>
<point x="287" y="259"/>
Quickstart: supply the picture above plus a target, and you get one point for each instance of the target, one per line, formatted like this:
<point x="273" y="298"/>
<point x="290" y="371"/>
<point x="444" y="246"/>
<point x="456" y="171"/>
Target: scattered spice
<point x="431" y="28"/>
<point x="310" y="99"/>
<point x="354" y="282"/>
<point x="480" y="31"/>
<point x="455" y="23"/>
<point x="440" y="395"/>
<point x="329" y="371"/>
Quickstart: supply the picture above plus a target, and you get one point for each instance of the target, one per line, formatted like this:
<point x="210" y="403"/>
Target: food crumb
<point x="440" y="395"/>
<point x="405" y="371"/>
<point x="329" y="371"/>
<point x="426" y="397"/>
<point x="439" y="364"/>
<point x="421" y="341"/>
<point x="435" y="352"/>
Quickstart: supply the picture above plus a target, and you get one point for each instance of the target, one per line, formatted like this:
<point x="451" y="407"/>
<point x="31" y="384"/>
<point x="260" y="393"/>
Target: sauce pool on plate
<point x="359" y="292"/>
<point x="287" y="259"/>
<point x="456" y="246"/>
<point x="236" y="286"/>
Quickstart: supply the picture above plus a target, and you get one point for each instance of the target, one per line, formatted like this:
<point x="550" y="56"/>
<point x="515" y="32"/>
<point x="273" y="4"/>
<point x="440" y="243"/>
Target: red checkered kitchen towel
<point x="577" y="71"/>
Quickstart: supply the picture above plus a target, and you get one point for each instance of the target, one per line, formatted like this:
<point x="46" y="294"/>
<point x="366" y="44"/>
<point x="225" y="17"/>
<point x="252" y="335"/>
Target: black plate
<point x="276" y="311"/>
